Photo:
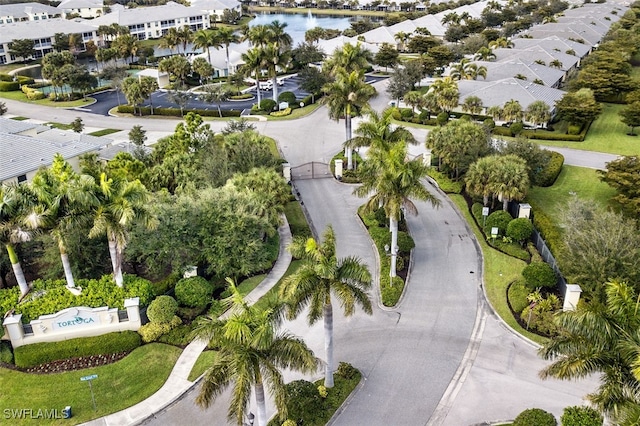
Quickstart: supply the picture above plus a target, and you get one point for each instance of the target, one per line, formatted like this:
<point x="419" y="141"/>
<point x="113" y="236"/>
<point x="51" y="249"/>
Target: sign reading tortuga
<point x="81" y="319"/>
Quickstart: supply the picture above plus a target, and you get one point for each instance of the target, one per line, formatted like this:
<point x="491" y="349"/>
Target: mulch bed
<point x="71" y="364"/>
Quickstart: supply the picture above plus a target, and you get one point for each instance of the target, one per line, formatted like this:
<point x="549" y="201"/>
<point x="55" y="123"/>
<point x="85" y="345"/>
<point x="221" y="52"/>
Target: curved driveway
<point x="408" y="355"/>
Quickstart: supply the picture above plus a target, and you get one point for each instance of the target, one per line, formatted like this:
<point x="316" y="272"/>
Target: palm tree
<point x="279" y="35"/>
<point x="67" y="198"/>
<point x="170" y="39"/>
<point x="495" y="112"/>
<point x="348" y="58"/>
<point x="17" y="217"/>
<point x="555" y="64"/>
<point x="258" y="35"/>
<point x="345" y="96"/>
<point x="603" y="339"/>
<point x="275" y="58"/>
<point x="185" y="36"/>
<point x="215" y="93"/>
<point x="227" y="36"/>
<point x="394" y="181"/>
<point x="472" y="104"/>
<point x="447" y="94"/>
<point x="485" y="54"/>
<point x="466" y="70"/>
<point x="120" y="203"/>
<point x="402" y="38"/>
<point x="478" y="179"/>
<point x="379" y="132"/>
<point x="538" y="112"/>
<point x="205" y="39"/>
<point x="512" y="111"/>
<point x="254" y="64"/>
<point x="322" y="275"/>
<point x="414" y="99"/>
<point x="251" y="353"/>
<point x="501" y="42"/>
<point x="510" y="179"/>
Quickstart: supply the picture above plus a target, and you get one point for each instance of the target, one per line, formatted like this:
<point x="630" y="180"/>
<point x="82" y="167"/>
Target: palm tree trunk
<point x="116" y="261"/>
<point x="258" y="86"/>
<point x="274" y="81"/>
<point x="505" y="203"/>
<point x="348" y="151"/>
<point x="17" y="270"/>
<point x="226" y="48"/>
<point x="68" y="275"/>
<point x="393" y="224"/>
<point x="485" y="200"/>
<point x="327" y="313"/>
<point x="260" y="402"/>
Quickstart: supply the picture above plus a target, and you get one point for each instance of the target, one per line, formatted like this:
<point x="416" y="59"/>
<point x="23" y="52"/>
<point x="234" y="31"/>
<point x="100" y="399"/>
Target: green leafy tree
<point x="446" y="93"/>
<point x="537" y="113"/>
<point x="22" y="48"/>
<point x="512" y="111"/>
<point x="623" y="174"/>
<point x="170" y="40"/>
<point x="630" y="115"/>
<point x="535" y="157"/>
<point x="138" y="136"/>
<point x="578" y="107"/>
<point x="347" y="59"/>
<point x="600" y="339"/>
<point x="77" y="125"/>
<point x="321" y="276"/>
<point x="387" y="56"/>
<point x="253" y="65"/>
<point x="217" y="94"/>
<point x="472" y="104"/>
<point x="345" y="97"/>
<point x="251" y="353"/>
<point x="203" y="68"/>
<point x="479" y="178"/>
<point x="178" y="66"/>
<point x="459" y="144"/>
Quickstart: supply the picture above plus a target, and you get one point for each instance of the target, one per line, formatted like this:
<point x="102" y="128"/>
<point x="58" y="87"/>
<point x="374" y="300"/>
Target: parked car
<point x="266" y="85"/>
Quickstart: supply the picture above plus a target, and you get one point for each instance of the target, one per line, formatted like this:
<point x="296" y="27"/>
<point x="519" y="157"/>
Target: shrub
<point x="41" y="353"/>
<point x="194" y="292"/>
<point x="175" y="112"/>
<point x="268" y="105"/>
<point x="6" y="354"/>
<point x="539" y="274"/>
<point x="6" y="77"/>
<point x="499" y="219"/>
<point x="302" y="400"/>
<point x="406" y="113"/>
<point x="516" y="128"/>
<point x="162" y="309"/>
<point x="424" y="115"/>
<point x="405" y="242"/>
<point x="9" y="86"/>
<point x="573" y="129"/>
<point x="580" y="416"/>
<point x="281" y="113"/>
<point x="442" y="118"/>
<point x="152" y="331"/>
<point x="549" y="174"/>
<point x="241" y="97"/>
<point x="535" y="416"/>
<point x="166" y="284"/>
<point x="520" y="229"/>
<point x="517" y="295"/>
<point x="395" y="113"/>
<point x="489" y="123"/>
<point x="346" y="371"/>
<point x="288" y="97"/>
<point x="539" y="315"/>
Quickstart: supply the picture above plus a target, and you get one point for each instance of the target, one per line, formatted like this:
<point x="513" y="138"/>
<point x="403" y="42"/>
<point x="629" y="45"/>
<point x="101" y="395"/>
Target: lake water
<point x="298" y="24"/>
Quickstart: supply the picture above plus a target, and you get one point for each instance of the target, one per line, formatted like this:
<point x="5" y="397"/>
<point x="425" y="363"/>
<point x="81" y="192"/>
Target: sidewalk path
<point x="178" y="384"/>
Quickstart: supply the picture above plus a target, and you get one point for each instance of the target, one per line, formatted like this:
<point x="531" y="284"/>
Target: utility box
<point x="524" y="210"/>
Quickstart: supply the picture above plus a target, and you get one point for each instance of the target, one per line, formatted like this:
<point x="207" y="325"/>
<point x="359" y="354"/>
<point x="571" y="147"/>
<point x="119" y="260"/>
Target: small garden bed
<point x="348" y="176"/>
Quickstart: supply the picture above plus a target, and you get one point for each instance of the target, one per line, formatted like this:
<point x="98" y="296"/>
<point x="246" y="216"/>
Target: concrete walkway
<point x="178" y="384"/>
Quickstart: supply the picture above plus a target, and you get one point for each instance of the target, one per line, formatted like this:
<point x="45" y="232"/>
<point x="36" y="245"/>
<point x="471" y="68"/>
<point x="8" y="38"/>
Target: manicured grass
<point x="57" y="125"/>
<point x="582" y="182"/>
<point x="606" y="134"/>
<point x="118" y="386"/>
<point x="20" y="118"/>
<point x="21" y="97"/>
<point x="204" y="361"/>
<point x="296" y="113"/>
<point x="499" y="271"/>
<point x="297" y="221"/>
<point x="104" y="132"/>
<point x="249" y="284"/>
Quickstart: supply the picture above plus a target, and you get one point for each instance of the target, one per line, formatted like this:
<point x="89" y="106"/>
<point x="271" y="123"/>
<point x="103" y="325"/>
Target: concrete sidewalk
<point x="178" y="384"/>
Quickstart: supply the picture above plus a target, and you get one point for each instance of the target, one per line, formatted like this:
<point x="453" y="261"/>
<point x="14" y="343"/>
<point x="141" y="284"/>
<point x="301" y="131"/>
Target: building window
<point x="36" y="18"/>
<point x="22" y="178"/>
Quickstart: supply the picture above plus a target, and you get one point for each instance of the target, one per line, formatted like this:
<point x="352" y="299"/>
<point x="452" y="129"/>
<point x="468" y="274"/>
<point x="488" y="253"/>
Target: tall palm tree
<point x="170" y="40"/>
<point x="279" y="35"/>
<point x="17" y="218"/>
<point x="512" y="111"/>
<point x="346" y="96"/>
<point x="393" y="181"/>
<point x="414" y="99"/>
<point x="538" y="112"/>
<point x="485" y="54"/>
<point x="478" y="179"/>
<point x="227" y="36"/>
<point x="402" y="38"/>
<point x="348" y="58"/>
<point x="205" y="39"/>
<point x="603" y="339"/>
<point x="472" y="104"/>
<point x="120" y="203"/>
<point x="251" y="353"/>
<point x="185" y="36"/>
<point x="379" y="132"/>
<point x="274" y="59"/>
<point x="67" y="198"/>
<point x="258" y="35"/>
<point x="501" y="42"/>
<point x="253" y="65"/>
<point x="322" y="275"/>
<point x="510" y="178"/>
<point x="446" y="92"/>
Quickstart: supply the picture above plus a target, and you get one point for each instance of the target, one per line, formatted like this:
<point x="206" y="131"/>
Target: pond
<point x="298" y="24"/>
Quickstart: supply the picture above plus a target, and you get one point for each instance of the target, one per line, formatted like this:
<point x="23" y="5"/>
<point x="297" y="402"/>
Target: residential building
<point x="10" y="13"/>
<point x="87" y="9"/>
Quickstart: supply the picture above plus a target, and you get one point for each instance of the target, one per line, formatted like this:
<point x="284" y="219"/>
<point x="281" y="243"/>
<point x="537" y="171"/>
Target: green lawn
<point x="21" y="97"/>
<point x="607" y="134"/>
<point x="204" y="361"/>
<point x="249" y="284"/>
<point x="582" y="182"/>
<point x="118" y="386"/>
<point x="104" y="132"/>
<point x="499" y="271"/>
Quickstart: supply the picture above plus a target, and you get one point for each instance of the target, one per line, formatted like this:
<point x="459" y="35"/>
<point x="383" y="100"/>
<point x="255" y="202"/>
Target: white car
<point x="266" y="85"/>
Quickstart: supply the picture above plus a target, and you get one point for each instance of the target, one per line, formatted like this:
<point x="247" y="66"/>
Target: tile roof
<point x="511" y="67"/>
<point x="553" y="43"/>
<point x="23" y="10"/>
<point x="534" y="53"/>
<point x="43" y="29"/>
<point x="497" y="93"/>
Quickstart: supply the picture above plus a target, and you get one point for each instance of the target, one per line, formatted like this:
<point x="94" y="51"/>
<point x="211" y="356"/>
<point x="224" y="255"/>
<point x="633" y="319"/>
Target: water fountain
<point x="311" y="22"/>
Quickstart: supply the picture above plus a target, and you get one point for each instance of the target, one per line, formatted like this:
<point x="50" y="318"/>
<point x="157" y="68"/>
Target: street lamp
<point x="251" y="418"/>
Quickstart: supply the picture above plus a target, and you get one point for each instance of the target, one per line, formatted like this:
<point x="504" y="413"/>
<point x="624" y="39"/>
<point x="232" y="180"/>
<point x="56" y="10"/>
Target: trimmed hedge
<point x="162" y="310"/>
<point x="152" y="331"/>
<point x="6" y="354"/>
<point x="548" y="229"/>
<point x="499" y="219"/>
<point x="175" y="112"/>
<point x="6" y="77"/>
<point x="106" y="344"/>
<point x="549" y="174"/>
<point x="9" y="86"/>
<point x="241" y="97"/>
<point x="580" y="416"/>
<point x="282" y="113"/>
<point x="535" y="416"/>
<point x="194" y="292"/>
<point x="539" y="274"/>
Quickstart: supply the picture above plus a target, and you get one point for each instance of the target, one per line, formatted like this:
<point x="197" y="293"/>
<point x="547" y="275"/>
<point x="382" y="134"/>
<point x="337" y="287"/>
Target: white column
<point x="338" y="169"/>
<point x="571" y="297"/>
